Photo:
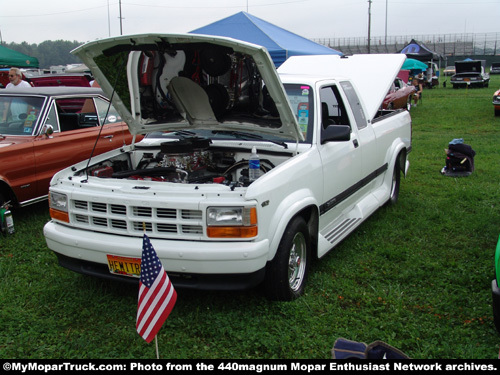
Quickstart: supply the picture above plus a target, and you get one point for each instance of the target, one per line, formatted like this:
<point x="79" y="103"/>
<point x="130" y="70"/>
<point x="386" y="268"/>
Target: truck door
<point x="366" y="136"/>
<point x="342" y="160"/>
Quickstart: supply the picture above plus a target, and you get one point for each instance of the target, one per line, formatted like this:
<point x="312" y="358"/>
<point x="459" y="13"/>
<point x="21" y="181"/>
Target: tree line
<point x="49" y="52"/>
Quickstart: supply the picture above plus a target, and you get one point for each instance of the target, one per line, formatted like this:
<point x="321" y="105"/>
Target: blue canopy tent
<point x="280" y="43"/>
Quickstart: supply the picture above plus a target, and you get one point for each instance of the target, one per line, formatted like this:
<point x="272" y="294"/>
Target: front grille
<point x="135" y="219"/>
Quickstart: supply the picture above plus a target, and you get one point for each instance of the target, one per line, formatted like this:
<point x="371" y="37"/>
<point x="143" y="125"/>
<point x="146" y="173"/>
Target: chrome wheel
<point x="286" y="274"/>
<point x="297" y="262"/>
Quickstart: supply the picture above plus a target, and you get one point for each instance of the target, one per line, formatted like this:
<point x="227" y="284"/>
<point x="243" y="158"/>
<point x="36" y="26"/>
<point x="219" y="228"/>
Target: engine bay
<point x="191" y="160"/>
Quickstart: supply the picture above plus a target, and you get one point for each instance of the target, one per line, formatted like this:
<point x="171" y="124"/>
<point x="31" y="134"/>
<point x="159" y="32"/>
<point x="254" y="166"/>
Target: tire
<point x="396" y="183"/>
<point x="286" y="274"/>
<point x="497" y="112"/>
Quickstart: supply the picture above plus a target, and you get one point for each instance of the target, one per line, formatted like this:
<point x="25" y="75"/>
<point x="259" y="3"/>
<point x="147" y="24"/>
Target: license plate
<point x="125" y="266"/>
<point x="467" y="79"/>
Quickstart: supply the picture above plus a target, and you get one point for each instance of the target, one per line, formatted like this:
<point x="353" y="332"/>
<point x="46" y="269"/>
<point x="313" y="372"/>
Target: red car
<point x="45" y="129"/>
<point x="39" y="80"/>
<point x="399" y="96"/>
<point x="496" y="102"/>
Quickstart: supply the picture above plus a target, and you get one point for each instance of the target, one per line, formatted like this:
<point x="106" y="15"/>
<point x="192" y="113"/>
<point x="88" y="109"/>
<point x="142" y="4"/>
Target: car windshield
<point x="218" y="135"/>
<point x="19" y="114"/>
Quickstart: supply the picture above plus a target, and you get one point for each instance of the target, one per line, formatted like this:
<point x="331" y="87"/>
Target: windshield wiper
<point x="244" y="135"/>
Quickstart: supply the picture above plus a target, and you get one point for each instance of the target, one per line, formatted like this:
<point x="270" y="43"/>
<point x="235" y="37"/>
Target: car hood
<point x="189" y="81"/>
<point x="371" y="74"/>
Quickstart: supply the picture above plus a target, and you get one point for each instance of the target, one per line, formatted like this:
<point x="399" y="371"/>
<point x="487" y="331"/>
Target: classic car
<point x="470" y="73"/>
<point x="43" y="130"/>
<point x="449" y="70"/>
<point x="495" y="289"/>
<point x="495" y="68"/>
<point x="399" y="95"/>
<point x="496" y="102"/>
<point x="44" y="80"/>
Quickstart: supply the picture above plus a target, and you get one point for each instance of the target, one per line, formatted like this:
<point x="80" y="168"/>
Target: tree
<point x="49" y="52"/>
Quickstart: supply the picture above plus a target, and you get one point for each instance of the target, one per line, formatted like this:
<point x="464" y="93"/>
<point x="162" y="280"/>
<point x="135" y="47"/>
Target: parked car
<point x="44" y="80"/>
<point x="496" y="102"/>
<point x="399" y="95"/>
<point x="449" y="70"/>
<point x="495" y="289"/>
<point x="43" y="130"/>
<point x="470" y="73"/>
<point x="218" y="217"/>
<point x="495" y="68"/>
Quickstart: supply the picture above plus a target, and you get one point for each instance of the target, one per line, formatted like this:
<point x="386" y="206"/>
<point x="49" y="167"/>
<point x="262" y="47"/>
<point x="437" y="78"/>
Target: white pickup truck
<point x="329" y="157"/>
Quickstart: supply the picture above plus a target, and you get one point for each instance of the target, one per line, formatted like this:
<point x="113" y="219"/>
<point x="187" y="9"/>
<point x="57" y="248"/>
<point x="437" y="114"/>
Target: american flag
<point x="157" y="295"/>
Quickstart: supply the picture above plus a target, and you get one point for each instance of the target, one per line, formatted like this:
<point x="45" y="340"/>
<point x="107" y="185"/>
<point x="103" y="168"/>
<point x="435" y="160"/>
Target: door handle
<point x="110" y="137"/>
<point x="355" y="142"/>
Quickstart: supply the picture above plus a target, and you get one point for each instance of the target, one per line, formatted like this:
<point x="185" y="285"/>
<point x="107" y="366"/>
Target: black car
<point x="495" y="68"/>
<point x="470" y="73"/>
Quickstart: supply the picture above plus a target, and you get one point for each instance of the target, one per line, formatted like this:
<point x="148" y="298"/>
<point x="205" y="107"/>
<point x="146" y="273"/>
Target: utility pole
<point x="109" y="22"/>
<point x="121" y="30"/>
<point x="369" y="23"/>
<point x="386" y="3"/>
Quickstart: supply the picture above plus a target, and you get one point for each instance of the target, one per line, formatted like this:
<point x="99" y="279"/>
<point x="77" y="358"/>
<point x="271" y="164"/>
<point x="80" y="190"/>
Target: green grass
<point x="416" y="275"/>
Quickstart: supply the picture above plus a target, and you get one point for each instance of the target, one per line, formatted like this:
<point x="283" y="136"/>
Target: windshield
<point x="19" y="114"/>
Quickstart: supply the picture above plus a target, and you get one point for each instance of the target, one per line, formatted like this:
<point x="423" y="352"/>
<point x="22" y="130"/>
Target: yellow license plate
<point x="125" y="266"/>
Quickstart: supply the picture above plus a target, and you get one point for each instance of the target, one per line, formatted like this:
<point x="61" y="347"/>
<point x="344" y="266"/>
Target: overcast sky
<point x="34" y="21"/>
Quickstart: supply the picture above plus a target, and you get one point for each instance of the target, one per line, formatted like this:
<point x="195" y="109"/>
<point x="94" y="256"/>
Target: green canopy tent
<point x="9" y="58"/>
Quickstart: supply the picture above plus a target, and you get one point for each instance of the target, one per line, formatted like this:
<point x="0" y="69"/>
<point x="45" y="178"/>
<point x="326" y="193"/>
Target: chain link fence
<point x="447" y="45"/>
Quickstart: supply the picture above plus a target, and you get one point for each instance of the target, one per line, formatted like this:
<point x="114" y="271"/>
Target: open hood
<point x="372" y="75"/>
<point x="182" y="82"/>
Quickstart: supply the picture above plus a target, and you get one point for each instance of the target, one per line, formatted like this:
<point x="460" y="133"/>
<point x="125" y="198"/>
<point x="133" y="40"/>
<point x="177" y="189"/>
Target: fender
<point x="287" y="209"/>
<point x="6" y="191"/>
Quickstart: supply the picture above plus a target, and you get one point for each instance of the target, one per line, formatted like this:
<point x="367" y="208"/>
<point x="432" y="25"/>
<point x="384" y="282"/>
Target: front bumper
<point x="471" y="83"/>
<point x="190" y="264"/>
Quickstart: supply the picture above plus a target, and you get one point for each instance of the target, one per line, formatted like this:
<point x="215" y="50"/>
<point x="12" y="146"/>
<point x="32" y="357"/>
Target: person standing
<point x="16" y="79"/>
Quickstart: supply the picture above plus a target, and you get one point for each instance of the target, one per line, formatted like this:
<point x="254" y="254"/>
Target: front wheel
<point x="286" y="274"/>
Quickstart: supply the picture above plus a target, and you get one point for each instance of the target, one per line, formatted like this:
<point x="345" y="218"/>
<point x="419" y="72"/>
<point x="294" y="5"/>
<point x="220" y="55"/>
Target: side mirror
<point x="336" y="133"/>
<point x="48" y="130"/>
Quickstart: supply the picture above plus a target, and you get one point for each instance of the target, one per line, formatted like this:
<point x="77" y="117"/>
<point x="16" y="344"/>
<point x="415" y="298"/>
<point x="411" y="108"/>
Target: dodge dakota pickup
<point x="328" y="157"/>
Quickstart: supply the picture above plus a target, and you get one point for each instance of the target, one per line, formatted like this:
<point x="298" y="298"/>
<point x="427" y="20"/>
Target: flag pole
<point x="156" y="342"/>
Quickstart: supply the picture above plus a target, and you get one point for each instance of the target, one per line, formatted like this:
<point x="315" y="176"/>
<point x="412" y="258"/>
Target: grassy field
<point x="416" y="275"/>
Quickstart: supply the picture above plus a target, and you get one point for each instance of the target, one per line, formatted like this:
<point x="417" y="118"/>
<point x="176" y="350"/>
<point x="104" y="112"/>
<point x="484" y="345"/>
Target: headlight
<point x="232" y="222"/>
<point x="58" y="206"/>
